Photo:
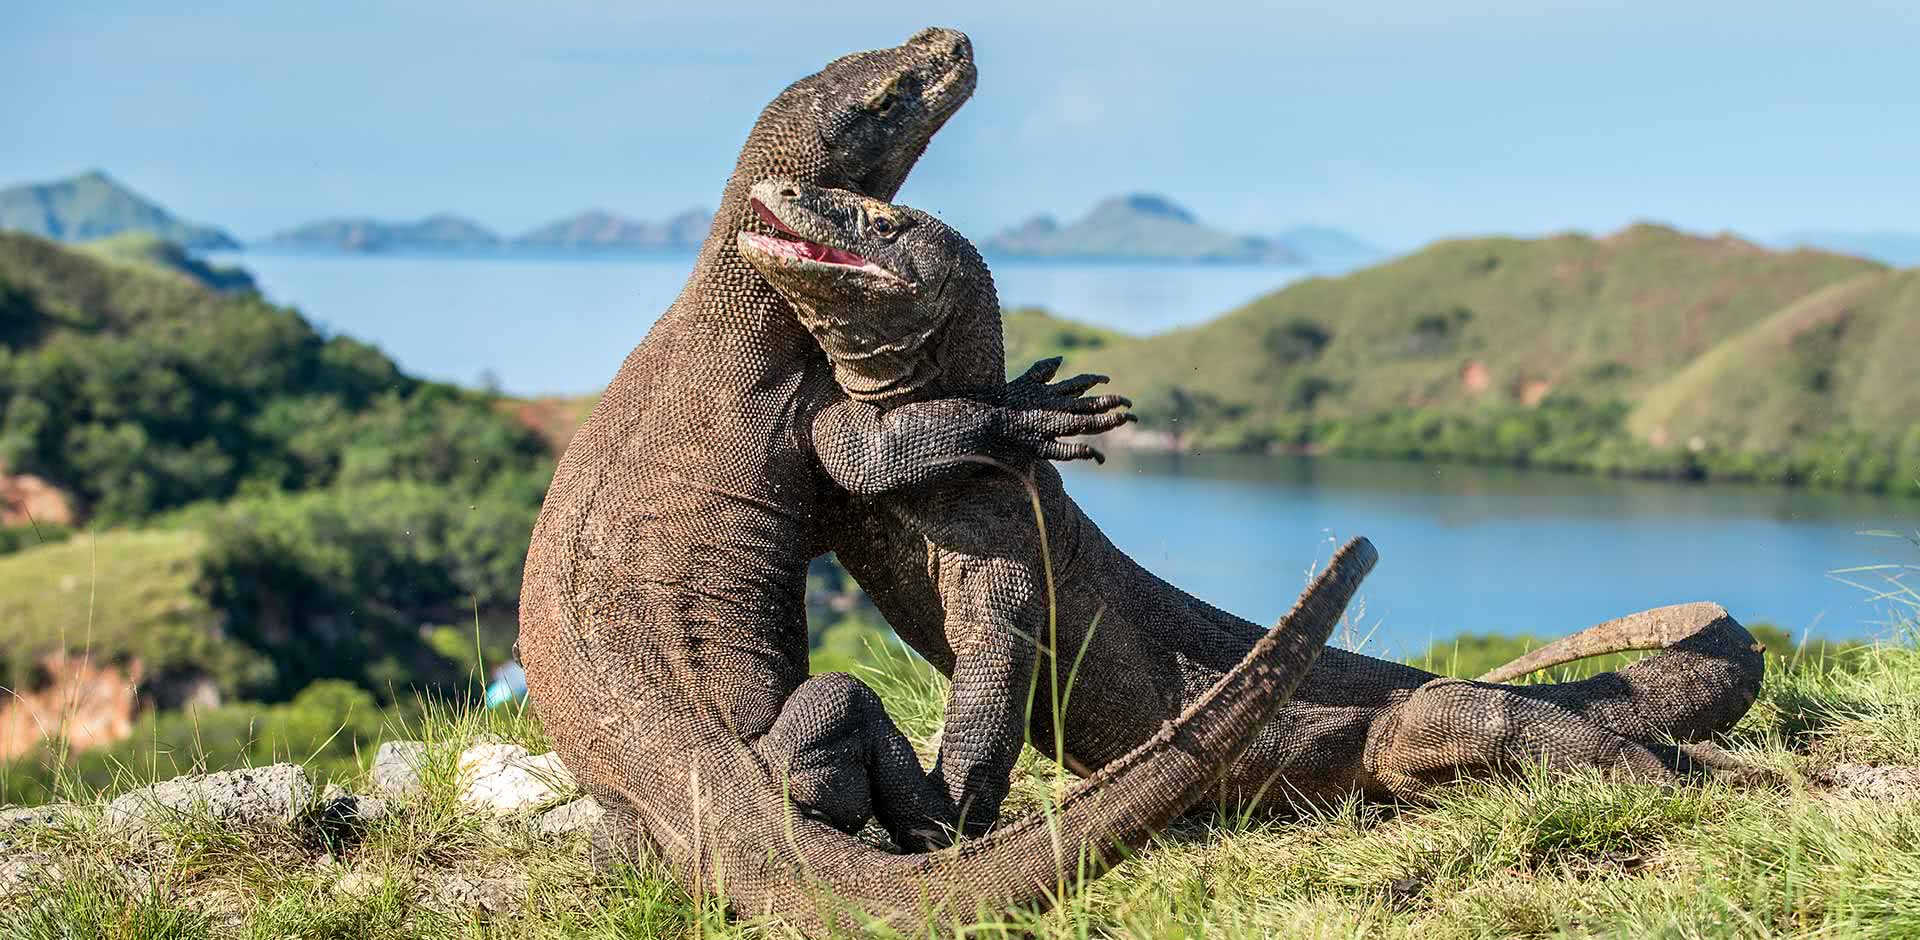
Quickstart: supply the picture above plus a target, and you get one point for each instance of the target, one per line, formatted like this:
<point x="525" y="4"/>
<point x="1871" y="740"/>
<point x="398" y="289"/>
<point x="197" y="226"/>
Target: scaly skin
<point x="662" y="624"/>
<point x="943" y="562"/>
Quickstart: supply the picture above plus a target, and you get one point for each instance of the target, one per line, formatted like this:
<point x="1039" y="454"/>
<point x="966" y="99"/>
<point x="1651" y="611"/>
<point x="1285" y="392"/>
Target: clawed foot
<point x="1039" y="411"/>
<point x="1702" y="758"/>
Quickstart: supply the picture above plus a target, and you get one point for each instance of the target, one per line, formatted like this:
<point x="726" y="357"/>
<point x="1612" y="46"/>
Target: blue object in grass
<point x="509" y="685"/>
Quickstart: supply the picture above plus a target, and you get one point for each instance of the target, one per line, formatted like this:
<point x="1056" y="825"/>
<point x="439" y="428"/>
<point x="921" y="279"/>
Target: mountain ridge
<point x="94" y="205"/>
<point x="604" y="229"/>
<point x="1144" y="226"/>
<point x="1891" y="246"/>
<point x="362" y="234"/>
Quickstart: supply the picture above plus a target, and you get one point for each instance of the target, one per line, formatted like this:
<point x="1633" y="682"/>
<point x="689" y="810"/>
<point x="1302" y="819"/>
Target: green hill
<point x="153" y="252"/>
<point x="120" y="597"/>
<point x="1841" y="368"/>
<point x="94" y="205"/>
<point x="1535" y="351"/>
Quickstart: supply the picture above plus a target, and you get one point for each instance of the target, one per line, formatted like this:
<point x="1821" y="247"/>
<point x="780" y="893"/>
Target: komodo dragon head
<point x="880" y="286"/>
<point x="873" y="112"/>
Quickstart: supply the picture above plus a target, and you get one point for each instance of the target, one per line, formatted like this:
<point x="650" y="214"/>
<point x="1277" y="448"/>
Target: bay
<point x="1498" y="550"/>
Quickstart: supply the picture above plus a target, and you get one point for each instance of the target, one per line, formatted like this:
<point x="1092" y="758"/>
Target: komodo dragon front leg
<point x="842" y="756"/>
<point x="988" y="564"/>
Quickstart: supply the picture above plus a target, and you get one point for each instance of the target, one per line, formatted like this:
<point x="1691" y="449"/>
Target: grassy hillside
<point x="144" y="249"/>
<point x="1537" y="351"/>
<point x="1033" y="335"/>
<point x="1846" y="358"/>
<point x="120" y="596"/>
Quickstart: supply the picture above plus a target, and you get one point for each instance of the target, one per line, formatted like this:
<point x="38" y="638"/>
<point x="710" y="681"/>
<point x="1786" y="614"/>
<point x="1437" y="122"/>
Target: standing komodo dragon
<point x="662" y="616"/>
<point x="917" y="316"/>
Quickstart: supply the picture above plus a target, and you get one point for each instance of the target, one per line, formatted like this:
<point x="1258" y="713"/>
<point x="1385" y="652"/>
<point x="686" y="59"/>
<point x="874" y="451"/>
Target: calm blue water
<point x="1492" y="549"/>
<point x="537" y="325"/>
<point x="1461" y="547"/>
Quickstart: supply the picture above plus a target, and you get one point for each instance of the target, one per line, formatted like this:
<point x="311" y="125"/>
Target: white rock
<point x="21" y="823"/>
<point x="396" y="769"/>
<point x="257" y="795"/>
<point x="504" y="779"/>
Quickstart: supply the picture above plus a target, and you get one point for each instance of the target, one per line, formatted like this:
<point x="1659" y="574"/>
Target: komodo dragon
<point x="919" y="317"/>
<point x="662" y="617"/>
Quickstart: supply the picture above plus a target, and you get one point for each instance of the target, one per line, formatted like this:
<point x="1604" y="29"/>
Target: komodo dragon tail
<point x="1655" y="629"/>
<point x="1034" y="858"/>
<point x="1707" y="678"/>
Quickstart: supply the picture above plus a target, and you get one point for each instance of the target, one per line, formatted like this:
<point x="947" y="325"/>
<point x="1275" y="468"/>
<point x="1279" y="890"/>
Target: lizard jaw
<point x="801" y="251"/>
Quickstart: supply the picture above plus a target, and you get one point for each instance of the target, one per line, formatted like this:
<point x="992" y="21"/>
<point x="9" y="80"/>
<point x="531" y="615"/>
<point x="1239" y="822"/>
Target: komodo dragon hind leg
<point x="842" y="761"/>
<point x="1455" y="728"/>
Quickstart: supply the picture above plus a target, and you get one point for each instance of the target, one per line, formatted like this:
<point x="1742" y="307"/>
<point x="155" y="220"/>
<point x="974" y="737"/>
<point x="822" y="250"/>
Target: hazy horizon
<point x="1392" y="121"/>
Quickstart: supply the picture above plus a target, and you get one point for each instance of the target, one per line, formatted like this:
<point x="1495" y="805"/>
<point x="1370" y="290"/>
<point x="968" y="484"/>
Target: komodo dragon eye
<point x="881" y="225"/>
<point x="884" y="101"/>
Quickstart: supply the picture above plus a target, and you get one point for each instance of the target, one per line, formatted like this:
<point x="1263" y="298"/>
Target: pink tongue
<point x="829" y="255"/>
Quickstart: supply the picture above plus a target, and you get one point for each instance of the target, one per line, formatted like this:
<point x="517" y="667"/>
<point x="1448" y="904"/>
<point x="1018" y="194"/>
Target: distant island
<point x="599" y="229"/>
<point x="437" y="232"/>
<point x="1137" y="227"/>
<point x="1149" y="227"/>
<point x="94" y="205"/>
<point x="592" y="230"/>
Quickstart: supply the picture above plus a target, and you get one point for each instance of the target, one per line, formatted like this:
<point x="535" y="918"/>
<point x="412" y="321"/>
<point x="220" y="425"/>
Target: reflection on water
<point x="1493" y="549"/>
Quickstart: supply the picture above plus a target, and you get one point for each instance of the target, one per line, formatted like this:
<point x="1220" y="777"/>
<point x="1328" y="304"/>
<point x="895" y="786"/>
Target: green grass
<point x="1537" y="856"/>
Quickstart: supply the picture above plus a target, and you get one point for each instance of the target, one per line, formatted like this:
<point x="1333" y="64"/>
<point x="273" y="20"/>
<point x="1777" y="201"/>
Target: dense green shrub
<point x="341" y="582"/>
<point x="140" y="392"/>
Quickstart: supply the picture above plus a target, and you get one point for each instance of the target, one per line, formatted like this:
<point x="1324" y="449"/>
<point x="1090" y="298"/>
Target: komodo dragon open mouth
<point x="799" y="248"/>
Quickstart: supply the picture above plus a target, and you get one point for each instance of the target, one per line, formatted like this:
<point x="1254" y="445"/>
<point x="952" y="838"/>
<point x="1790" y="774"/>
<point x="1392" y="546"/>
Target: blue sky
<point x="1399" y="120"/>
